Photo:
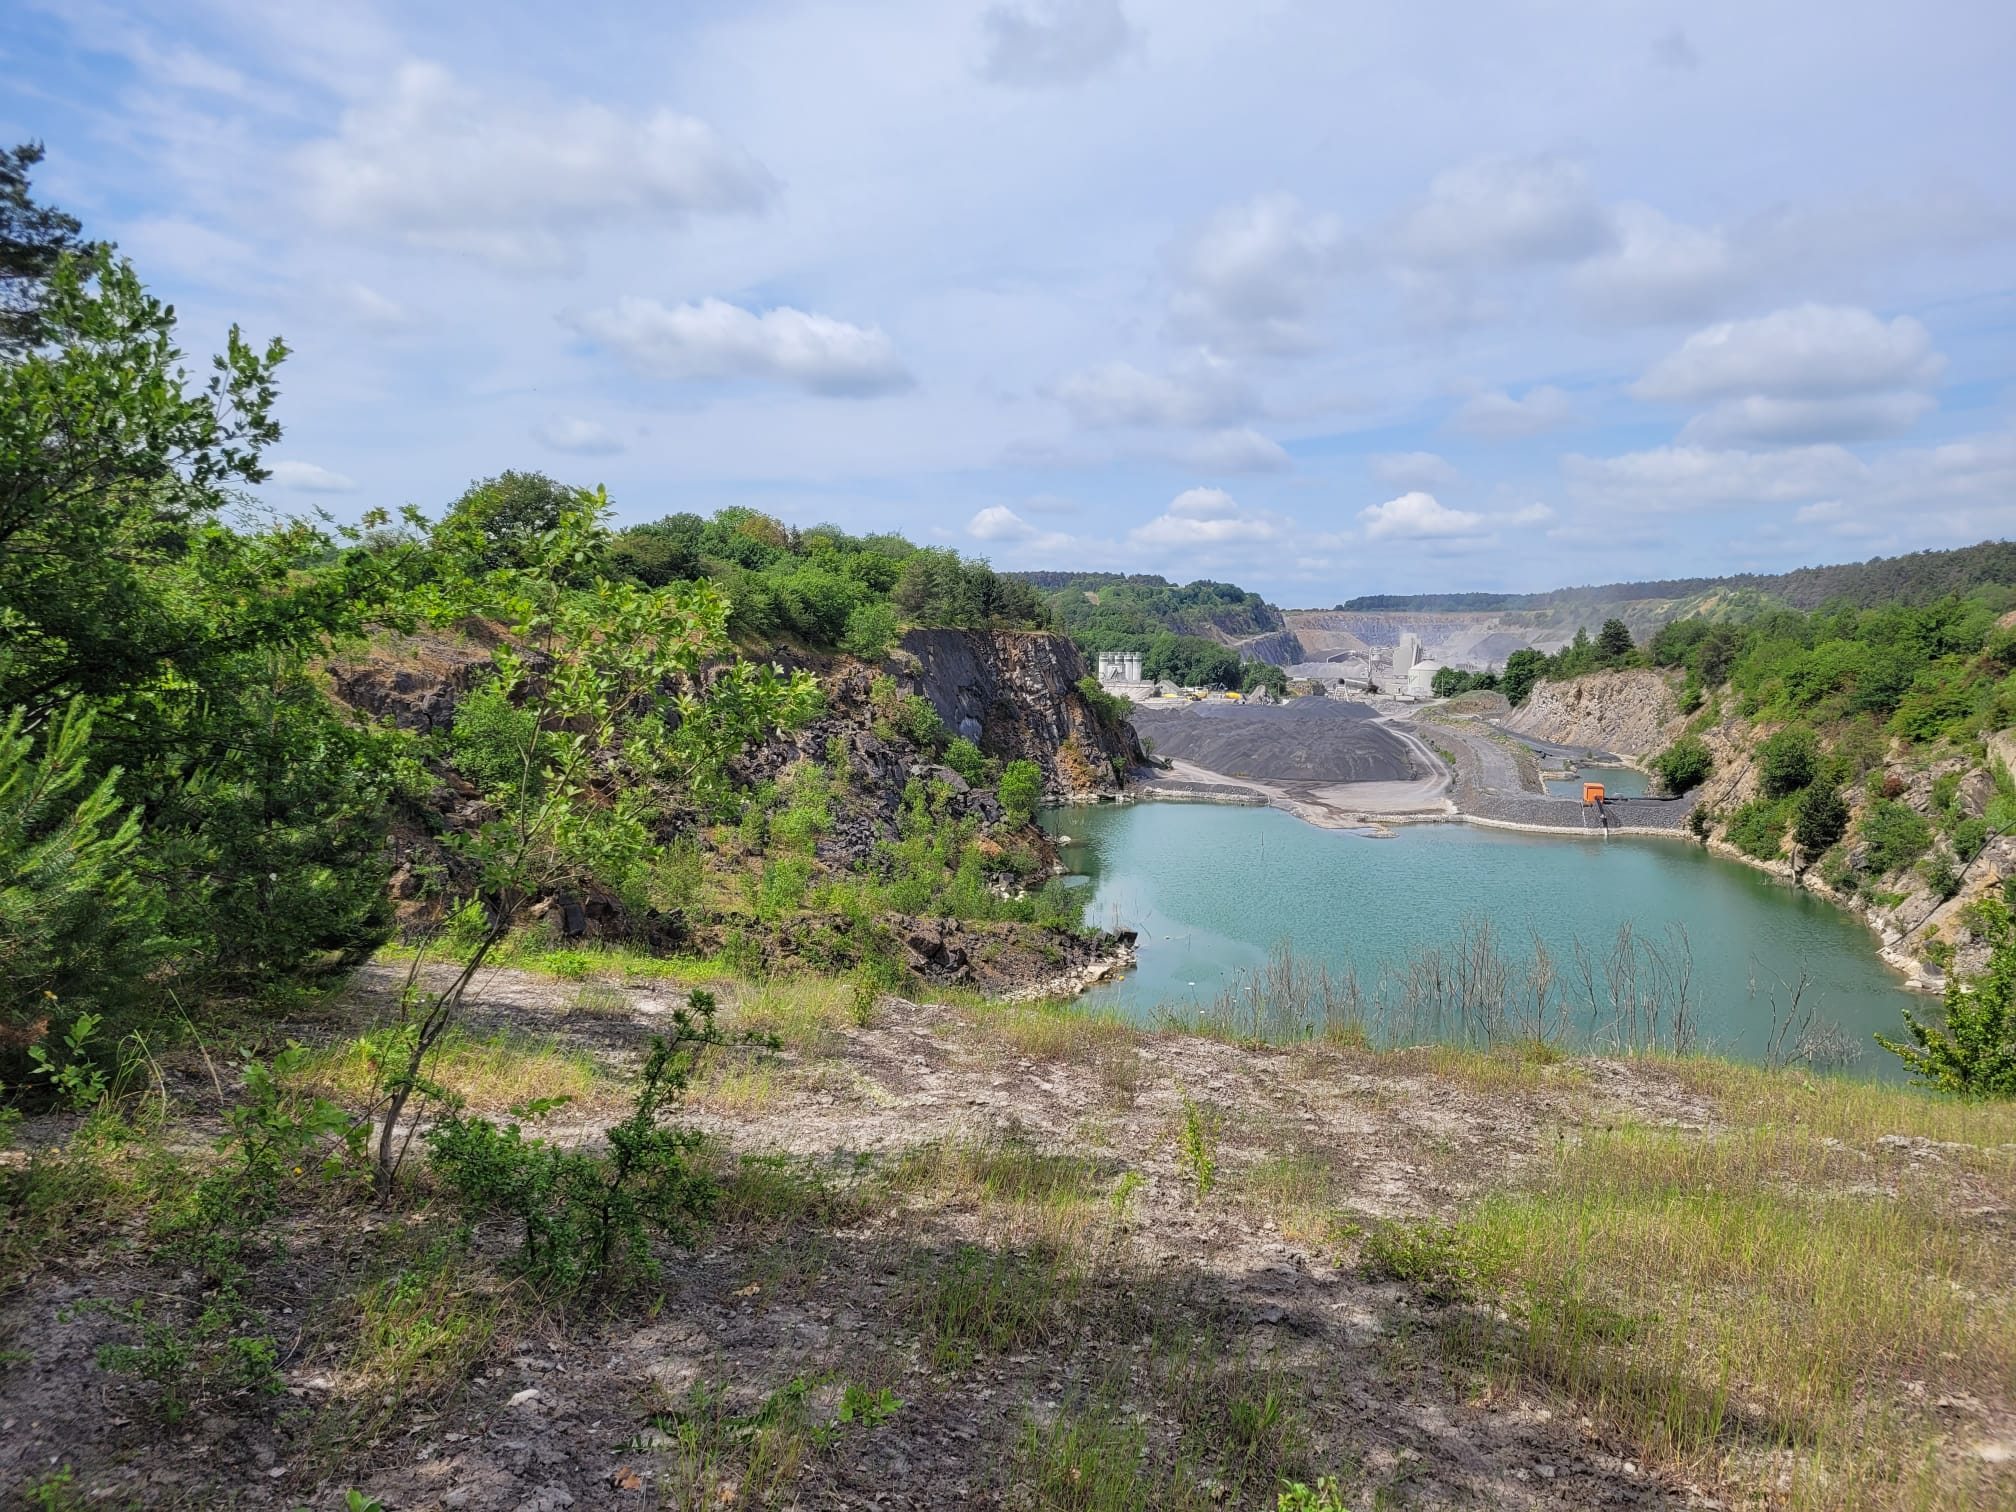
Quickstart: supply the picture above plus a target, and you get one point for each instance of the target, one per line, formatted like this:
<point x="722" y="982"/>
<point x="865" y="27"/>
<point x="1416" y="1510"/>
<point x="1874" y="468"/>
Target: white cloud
<point x="1810" y="351"/>
<point x="1498" y="416"/>
<point x="1418" y="516"/>
<point x="998" y="522"/>
<point x="1531" y="514"/>
<point x="1203" y="392"/>
<point x="1699" y="477"/>
<point x="1237" y="451"/>
<point x="1657" y="269"/>
<point x="309" y="477"/>
<point x="1823" y="513"/>
<point x="1200" y="517"/>
<point x="1759" y="419"/>
<point x="1050" y="504"/>
<point x="1033" y="43"/>
<point x="1417" y="469"/>
<point x="1506" y="210"/>
<point x="371" y="308"/>
<point x="490" y="175"/>
<point x="1256" y="272"/>
<point x="715" y="339"/>
<point x="569" y="433"/>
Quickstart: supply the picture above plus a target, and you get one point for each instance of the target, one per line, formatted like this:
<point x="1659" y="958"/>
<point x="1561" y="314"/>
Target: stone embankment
<point x="1497" y="783"/>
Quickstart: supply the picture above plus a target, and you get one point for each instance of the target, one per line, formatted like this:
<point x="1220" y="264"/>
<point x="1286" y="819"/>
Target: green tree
<point x="1259" y="674"/>
<point x="1820" y="819"/>
<point x="1614" y="641"/>
<point x="503" y="522"/>
<point x="33" y="240"/>
<point x="1973" y="1052"/>
<point x="872" y="629"/>
<point x="1523" y="669"/>
<point x="595" y="721"/>
<point x="1788" y="762"/>
<point x="78" y="926"/>
<point x="1021" y="790"/>
<point x="1684" y="765"/>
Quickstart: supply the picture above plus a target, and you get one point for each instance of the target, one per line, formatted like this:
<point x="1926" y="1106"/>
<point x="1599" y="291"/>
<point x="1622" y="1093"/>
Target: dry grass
<point x="809" y="1014"/>
<point x="491" y="1072"/>
<point x="1298" y="1191"/>
<point x="1717" y="1299"/>
<point x="1857" y="1112"/>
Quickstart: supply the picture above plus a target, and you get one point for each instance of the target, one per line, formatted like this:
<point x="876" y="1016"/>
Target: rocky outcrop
<point x="1279" y="649"/>
<point x="411" y="680"/>
<point x="1629" y="713"/>
<point x="1015" y="695"/>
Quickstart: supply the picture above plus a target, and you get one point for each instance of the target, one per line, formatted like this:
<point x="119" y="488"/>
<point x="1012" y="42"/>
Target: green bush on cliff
<point x="1021" y="790"/>
<point x="1758" y="829"/>
<point x="1973" y="1052"/>
<point x="1788" y="762"/>
<point x="1895" y="835"/>
<point x="1684" y="765"/>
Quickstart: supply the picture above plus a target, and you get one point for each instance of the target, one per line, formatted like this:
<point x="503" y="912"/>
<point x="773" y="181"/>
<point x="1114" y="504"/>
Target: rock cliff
<point x="1015" y="695"/>
<point x="1627" y="713"/>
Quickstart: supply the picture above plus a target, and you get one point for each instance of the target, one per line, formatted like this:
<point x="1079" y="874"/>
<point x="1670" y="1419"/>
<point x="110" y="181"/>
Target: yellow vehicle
<point x="1234" y="697"/>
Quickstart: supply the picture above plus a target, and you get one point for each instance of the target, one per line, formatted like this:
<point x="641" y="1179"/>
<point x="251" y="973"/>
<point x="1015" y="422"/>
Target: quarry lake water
<point x="1215" y="889"/>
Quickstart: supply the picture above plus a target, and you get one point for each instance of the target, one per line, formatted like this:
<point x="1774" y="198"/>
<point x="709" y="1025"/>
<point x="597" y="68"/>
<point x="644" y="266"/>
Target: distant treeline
<point x="1180" y="631"/>
<point x="1919" y="578"/>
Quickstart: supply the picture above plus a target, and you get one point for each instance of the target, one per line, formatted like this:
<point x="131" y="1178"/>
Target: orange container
<point x="1592" y="792"/>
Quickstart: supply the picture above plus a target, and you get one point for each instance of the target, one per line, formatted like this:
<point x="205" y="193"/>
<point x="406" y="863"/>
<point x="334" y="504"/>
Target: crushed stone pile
<point x="1303" y="740"/>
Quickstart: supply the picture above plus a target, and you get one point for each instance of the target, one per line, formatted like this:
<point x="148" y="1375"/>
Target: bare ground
<point x="552" y="1415"/>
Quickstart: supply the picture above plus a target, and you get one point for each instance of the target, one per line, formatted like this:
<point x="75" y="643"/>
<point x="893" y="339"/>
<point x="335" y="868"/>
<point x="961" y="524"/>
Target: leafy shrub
<point x="1758" y="829"/>
<point x="1788" y="762"/>
<point x="871" y="631"/>
<point x="1684" y="765"/>
<point x="964" y="758"/>
<point x="1819" y="818"/>
<point x="1970" y="838"/>
<point x="1973" y="1052"/>
<point x="1021" y="790"/>
<point x="588" y="1216"/>
<point x="918" y="722"/>
<point x="1941" y="875"/>
<point x="1194" y="1152"/>
<point x="1895" y="835"/>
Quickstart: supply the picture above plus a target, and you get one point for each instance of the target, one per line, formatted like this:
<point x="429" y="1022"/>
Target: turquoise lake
<point x="1214" y="890"/>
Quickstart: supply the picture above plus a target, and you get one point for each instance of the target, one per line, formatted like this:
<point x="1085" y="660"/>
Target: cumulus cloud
<point x="511" y="181"/>
<point x="1206" y="517"/>
<point x="1670" y="478"/>
<point x="715" y="339"/>
<point x="1506" y="210"/>
<point x="1036" y="43"/>
<point x="1200" y="393"/>
<point x="1497" y="416"/>
<point x="1657" y="269"/>
<point x="998" y="522"/>
<point x="1809" y="351"/>
<point x="1243" y="450"/>
<point x="1418" y="516"/>
<point x="1256" y="272"/>
<point x="1531" y="514"/>
<point x="1418" y="469"/>
<point x="1761" y="419"/>
<point x="308" y="477"/>
<point x="569" y="433"/>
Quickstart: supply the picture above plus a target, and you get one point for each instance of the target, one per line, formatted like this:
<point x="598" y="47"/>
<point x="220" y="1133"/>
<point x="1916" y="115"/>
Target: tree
<point x="1021" y="790"/>
<point x="1974" y="1052"/>
<point x="1820" y="819"/>
<point x="1684" y="765"/>
<point x="569" y="784"/>
<point x="1522" y="670"/>
<point x="500" y="520"/>
<point x="1259" y="674"/>
<point x="33" y="240"/>
<point x="1614" y="640"/>
<point x="1788" y="762"/>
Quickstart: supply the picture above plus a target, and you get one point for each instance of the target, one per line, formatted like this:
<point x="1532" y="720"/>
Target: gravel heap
<point x="1303" y="740"/>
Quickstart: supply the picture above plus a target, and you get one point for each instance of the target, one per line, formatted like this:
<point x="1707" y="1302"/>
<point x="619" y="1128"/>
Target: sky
<point x="1325" y="299"/>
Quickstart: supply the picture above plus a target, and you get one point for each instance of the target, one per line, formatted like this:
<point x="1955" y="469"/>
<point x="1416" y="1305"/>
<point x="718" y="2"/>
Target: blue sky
<point x="1324" y="298"/>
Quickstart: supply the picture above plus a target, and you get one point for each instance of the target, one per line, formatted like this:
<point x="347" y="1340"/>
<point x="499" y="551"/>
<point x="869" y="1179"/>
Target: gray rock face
<point x="1019" y="689"/>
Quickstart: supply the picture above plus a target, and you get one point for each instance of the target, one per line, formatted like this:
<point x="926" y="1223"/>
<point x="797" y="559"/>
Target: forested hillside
<point x="1918" y="578"/>
<point x="1183" y="632"/>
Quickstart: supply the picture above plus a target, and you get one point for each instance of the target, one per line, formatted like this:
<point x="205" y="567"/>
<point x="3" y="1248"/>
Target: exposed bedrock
<point x="1014" y="693"/>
